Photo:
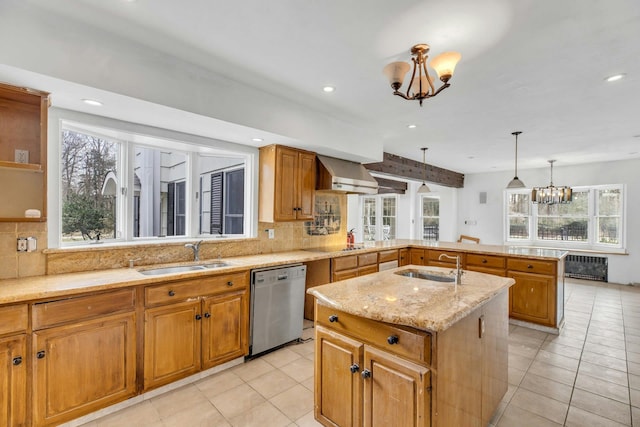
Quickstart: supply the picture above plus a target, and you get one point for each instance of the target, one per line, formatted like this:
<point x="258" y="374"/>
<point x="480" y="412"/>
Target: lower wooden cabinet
<point x="81" y="367"/>
<point x="224" y="327"/>
<point x="532" y="298"/>
<point x="13" y="381"/>
<point x="350" y="266"/>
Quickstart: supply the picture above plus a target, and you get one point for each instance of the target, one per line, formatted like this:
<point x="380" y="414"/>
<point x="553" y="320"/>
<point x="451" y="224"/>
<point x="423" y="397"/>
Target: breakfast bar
<point x="409" y="347"/>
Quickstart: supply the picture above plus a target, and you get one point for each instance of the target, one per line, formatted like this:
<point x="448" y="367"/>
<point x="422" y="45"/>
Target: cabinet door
<point x="225" y="328"/>
<point x="404" y="257"/>
<point x="13" y="381"/>
<point x="532" y="298"/>
<point x="306" y="186"/>
<point x="79" y="368"/>
<point x="418" y="257"/>
<point x="396" y="392"/>
<point x="171" y="342"/>
<point x="338" y="386"/>
<point x="286" y="188"/>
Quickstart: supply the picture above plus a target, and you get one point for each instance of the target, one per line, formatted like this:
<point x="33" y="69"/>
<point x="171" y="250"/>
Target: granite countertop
<point x="51" y="286"/>
<point x="423" y="304"/>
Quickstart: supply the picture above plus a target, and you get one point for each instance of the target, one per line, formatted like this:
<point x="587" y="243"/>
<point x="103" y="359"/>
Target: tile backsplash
<point x="22" y="264"/>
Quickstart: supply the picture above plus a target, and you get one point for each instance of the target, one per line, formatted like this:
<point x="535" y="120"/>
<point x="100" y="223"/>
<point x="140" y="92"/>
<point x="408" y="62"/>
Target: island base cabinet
<point x="396" y="392"/>
<point x="532" y="298"/>
<point x="82" y="367"/>
<point x="13" y="391"/>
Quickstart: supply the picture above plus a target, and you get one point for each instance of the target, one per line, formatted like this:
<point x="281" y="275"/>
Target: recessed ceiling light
<point x="257" y="139"/>
<point x="92" y="102"/>
<point x="615" y="77"/>
<point x="412" y="126"/>
<point x="471" y="157"/>
<point x="329" y="88"/>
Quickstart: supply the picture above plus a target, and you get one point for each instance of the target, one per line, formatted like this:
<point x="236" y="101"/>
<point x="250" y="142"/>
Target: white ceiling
<point x="534" y="66"/>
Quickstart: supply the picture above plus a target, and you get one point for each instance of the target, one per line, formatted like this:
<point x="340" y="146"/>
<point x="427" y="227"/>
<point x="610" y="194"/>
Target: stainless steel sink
<point x="169" y="270"/>
<point x="426" y="276"/>
<point x="215" y="265"/>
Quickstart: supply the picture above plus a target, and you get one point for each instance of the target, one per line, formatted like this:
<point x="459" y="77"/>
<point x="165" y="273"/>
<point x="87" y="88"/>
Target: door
<point x="418" y="256"/>
<point x="338" y="385"/>
<point x="287" y="187"/>
<point x="13" y="381"/>
<point x="396" y="392"/>
<point x="404" y="257"/>
<point x="225" y="328"/>
<point x="306" y="186"/>
<point x="531" y="298"/>
<point x="79" y="368"/>
<point x="171" y="342"/>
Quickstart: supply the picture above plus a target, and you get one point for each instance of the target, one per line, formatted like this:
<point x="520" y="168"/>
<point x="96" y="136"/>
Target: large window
<point x="117" y="190"/>
<point x="593" y="218"/>
<point x="430" y="218"/>
<point x="379" y="217"/>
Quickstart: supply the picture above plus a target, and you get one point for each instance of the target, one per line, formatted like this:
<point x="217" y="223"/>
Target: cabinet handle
<point x="529" y="266"/>
<point x="484" y="261"/>
<point x="354" y="368"/>
<point x="40" y="354"/>
<point x="198" y="317"/>
<point x="481" y="326"/>
<point x="230" y="283"/>
<point x="333" y="318"/>
<point x="207" y="315"/>
<point x="392" y="339"/>
<point x="17" y="360"/>
<point x="366" y="374"/>
<point x="171" y="293"/>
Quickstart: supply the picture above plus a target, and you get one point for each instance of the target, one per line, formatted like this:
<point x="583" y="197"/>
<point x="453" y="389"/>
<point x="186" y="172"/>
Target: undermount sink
<point x="416" y="274"/>
<point x="182" y="268"/>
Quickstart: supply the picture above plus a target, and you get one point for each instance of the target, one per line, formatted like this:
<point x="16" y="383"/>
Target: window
<point x="379" y="217"/>
<point x="117" y="190"/>
<point x="593" y="218"/>
<point x="430" y="218"/>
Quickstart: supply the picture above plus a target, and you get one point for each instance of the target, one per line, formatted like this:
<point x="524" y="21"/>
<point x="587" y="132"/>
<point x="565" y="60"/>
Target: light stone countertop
<point x="51" y="286"/>
<point x="423" y="304"/>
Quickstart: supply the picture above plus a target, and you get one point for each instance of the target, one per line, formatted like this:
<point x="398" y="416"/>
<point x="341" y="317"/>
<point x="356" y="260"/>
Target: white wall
<point x="489" y="228"/>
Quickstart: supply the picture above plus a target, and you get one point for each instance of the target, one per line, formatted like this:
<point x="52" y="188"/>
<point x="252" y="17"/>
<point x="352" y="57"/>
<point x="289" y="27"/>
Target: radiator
<point x="586" y="267"/>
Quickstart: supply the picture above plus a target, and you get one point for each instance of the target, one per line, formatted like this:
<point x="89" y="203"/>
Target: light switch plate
<point x="22" y="156"/>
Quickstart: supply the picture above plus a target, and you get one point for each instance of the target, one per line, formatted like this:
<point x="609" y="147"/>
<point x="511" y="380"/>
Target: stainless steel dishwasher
<point x="277" y="306"/>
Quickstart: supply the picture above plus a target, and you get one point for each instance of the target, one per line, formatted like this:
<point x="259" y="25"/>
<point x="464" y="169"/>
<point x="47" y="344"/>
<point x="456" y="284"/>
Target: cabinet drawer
<point x="48" y="314"/>
<point x="390" y="255"/>
<point x="345" y="263"/>
<point x="486" y="261"/>
<point x="370" y="269"/>
<point x="495" y="271"/>
<point x="344" y="274"/>
<point x="367" y="259"/>
<point x="411" y="343"/>
<point x="13" y="318"/>
<point x="187" y="289"/>
<point x="531" y="266"/>
<point x="434" y="255"/>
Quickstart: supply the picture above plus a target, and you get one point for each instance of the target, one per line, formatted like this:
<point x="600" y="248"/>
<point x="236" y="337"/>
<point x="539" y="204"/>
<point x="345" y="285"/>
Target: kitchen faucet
<point x="458" y="269"/>
<point x="196" y="249"/>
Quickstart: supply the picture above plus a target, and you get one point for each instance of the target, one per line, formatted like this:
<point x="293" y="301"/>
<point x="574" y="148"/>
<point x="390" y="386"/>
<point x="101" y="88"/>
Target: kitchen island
<point x="409" y="351"/>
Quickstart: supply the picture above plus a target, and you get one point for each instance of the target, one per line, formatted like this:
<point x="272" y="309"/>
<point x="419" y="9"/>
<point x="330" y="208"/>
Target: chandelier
<point x="550" y="195"/>
<point x="421" y="83"/>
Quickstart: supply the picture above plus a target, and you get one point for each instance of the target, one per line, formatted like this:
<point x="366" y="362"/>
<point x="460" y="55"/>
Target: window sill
<point x="586" y="249"/>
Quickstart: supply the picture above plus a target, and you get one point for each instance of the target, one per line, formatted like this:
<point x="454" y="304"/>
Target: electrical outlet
<point x="32" y="244"/>
<point x="22" y="156"/>
<point x="22" y="244"/>
<point x="272" y="233"/>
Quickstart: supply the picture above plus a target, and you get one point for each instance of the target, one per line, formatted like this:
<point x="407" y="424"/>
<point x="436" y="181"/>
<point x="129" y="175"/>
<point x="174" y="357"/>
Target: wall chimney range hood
<point x="344" y="176"/>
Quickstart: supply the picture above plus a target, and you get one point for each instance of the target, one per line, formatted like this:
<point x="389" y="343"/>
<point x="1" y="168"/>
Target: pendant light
<point x="423" y="188"/>
<point x="515" y="182"/>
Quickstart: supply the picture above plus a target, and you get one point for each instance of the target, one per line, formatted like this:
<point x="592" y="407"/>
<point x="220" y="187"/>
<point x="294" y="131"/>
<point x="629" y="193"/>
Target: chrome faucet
<point x="196" y="249"/>
<point x="458" y="274"/>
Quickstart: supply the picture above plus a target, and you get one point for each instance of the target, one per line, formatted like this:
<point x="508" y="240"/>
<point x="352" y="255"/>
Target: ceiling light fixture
<point x="423" y="188"/>
<point x="615" y="77"/>
<point x="551" y="194"/>
<point x="421" y="83"/>
<point x="257" y="139"/>
<point x="412" y="126"/>
<point x="515" y="182"/>
<point x="329" y="88"/>
<point x="92" y="102"/>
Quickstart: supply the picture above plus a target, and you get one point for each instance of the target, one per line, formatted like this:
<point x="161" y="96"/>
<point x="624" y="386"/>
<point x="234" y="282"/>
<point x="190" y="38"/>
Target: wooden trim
<point x="400" y="166"/>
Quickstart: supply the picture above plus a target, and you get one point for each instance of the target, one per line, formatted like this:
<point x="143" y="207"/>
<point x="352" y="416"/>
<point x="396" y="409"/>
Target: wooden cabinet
<point x="194" y="324"/>
<point x="318" y="273"/>
<point x="13" y="362"/>
<point x="82" y="361"/>
<point x="433" y="257"/>
<point x="490" y="264"/>
<point x="533" y="297"/>
<point x="23" y="152"/>
<point x="287" y="184"/>
<point x="350" y="266"/>
<point x="418" y="256"/>
<point x="404" y="257"/>
<point x="359" y="381"/>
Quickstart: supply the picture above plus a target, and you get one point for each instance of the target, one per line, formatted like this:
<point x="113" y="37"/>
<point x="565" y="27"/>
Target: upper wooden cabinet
<point x="287" y="184"/>
<point x="23" y="153"/>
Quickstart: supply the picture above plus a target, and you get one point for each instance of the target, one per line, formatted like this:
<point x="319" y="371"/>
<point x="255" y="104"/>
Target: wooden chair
<point x="468" y="239"/>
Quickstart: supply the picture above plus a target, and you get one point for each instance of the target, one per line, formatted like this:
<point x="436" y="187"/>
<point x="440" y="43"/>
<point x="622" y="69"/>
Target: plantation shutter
<point x="216" y="203"/>
<point x="171" y="201"/>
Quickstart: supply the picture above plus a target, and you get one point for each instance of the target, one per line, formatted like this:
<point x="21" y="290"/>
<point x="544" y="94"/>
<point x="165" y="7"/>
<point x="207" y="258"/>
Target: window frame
<point x="592" y="242"/>
<point x="422" y="217"/>
<point x="378" y="202"/>
<point x="191" y="145"/>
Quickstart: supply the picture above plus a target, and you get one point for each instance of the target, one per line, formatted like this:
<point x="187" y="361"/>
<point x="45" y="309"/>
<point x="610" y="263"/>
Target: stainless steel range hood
<point x="345" y="176"/>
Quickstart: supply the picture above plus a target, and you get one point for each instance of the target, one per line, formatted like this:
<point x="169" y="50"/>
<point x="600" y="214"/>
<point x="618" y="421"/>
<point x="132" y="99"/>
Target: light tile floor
<point x="589" y="375"/>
